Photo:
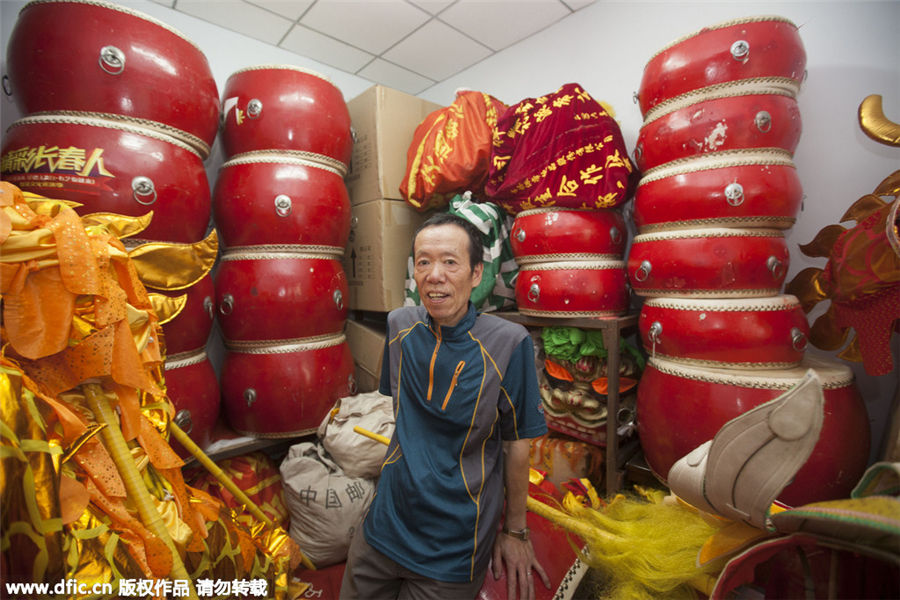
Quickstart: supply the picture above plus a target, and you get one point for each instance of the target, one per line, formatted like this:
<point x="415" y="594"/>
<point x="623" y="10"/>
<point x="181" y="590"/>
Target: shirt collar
<point x="461" y="328"/>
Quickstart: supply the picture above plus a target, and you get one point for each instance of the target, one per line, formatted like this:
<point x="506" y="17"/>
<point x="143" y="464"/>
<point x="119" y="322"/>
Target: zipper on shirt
<point x="456" y="372"/>
<point x="433" y="360"/>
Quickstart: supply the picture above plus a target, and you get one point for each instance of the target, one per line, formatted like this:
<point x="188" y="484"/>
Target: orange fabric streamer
<point x="450" y="152"/>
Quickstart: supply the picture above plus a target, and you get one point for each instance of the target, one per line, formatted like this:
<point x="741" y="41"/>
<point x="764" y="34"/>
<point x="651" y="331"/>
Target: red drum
<point x="553" y="549"/>
<point x="708" y="263"/>
<point x="717" y="120"/>
<point x="680" y="407"/>
<point x="190" y="329"/>
<point x="111" y="167"/>
<point x="280" y="107"/>
<point x="737" y="188"/>
<point x="741" y="49"/>
<point x="590" y="288"/>
<point x="756" y="333"/>
<point x="71" y="55"/>
<point x="567" y="233"/>
<point x="269" y="198"/>
<point x="193" y="388"/>
<point x="278" y="389"/>
<point x="277" y="293"/>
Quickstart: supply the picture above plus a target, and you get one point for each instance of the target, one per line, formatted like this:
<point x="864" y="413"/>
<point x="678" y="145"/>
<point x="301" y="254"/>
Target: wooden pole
<point x="223" y="478"/>
<point x="134" y="483"/>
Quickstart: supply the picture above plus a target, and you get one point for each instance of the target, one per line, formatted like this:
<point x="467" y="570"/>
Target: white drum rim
<point x="122" y="9"/>
<point x="185" y="359"/>
<point x="282" y="251"/>
<point x="702" y="233"/>
<point x="593" y="265"/>
<point x="723" y="159"/>
<point x="714" y="294"/>
<point x="785" y="302"/>
<point x="282" y="67"/>
<point x="95" y="120"/>
<point x="756" y="86"/>
<point x="183" y="136"/>
<point x="573" y="314"/>
<point x="311" y="159"/>
<point x="288" y="157"/>
<point x="722" y="25"/>
<point x="531" y="259"/>
<point x="552" y="209"/>
<point x="833" y="374"/>
<point x="764" y="221"/>
<point x="286" y="346"/>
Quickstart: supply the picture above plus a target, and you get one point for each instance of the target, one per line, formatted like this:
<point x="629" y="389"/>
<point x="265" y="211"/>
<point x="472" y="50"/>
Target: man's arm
<point x="514" y="555"/>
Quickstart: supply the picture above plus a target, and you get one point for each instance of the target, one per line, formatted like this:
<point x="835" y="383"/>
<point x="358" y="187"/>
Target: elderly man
<point x="466" y="403"/>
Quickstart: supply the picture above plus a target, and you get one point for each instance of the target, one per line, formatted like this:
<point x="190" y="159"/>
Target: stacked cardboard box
<point x="382" y="224"/>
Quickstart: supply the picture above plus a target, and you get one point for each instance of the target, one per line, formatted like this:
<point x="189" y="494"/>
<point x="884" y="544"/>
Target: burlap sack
<point x="326" y="506"/>
<point x="358" y="455"/>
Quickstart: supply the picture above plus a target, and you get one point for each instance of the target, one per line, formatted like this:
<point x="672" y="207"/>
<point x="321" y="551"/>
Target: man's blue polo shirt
<point x="459" y="392"/>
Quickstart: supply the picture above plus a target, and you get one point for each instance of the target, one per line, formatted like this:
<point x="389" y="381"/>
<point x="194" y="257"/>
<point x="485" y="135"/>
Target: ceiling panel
<point x="577" y="4"/>
<point x="501" y="23"/>
<point x="321" y="48"/>
<point x="292" y="9"/>
<point x="239" y="16"/>
<point x="373" y="26"/>
<point x="395" y="77"/>
<point x="437" y="51"/>
<point x="405" y="44"/>
<point x="432" y="6"/>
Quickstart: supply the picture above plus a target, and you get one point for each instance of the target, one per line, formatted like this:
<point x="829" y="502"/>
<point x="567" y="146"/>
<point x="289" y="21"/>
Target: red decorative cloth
<point x="450" y="151"/>
<point x="563" y="149"/>
<point x="256" y="475"/>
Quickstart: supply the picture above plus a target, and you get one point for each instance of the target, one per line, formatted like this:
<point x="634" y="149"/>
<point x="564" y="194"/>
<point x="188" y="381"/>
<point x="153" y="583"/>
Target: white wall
<point x="853" y="50"/>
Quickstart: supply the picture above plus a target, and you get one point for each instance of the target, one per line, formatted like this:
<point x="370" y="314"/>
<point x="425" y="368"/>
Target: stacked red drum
<point x="571" y="265"/>
<point x="283" y="212"/>
<point x="718" y="190"/>
<point x="120" y="113"/>
<point x="570" y="262"/>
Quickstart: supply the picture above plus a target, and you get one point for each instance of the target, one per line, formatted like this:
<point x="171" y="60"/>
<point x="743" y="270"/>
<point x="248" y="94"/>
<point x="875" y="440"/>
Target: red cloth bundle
<point x="563" y="149"/>
<point x="450" y="151"/>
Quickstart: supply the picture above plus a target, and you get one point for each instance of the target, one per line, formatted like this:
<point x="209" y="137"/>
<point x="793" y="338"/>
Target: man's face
<point x="442" y="272"/>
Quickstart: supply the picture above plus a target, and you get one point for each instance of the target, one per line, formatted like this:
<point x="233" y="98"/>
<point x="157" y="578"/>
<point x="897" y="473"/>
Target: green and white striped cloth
<point x="497" y="290"/>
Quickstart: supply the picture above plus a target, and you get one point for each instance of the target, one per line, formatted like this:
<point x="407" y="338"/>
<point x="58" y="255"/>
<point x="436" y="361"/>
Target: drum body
<point x="742" y="49"/>
<point x="193" y="388"/>
<point x="264" y="198"/>
<point x="285" y="108"/>
<point x="285" y="390"/>
<point x="708" y="263"/>
<point x="680" y="407"/>
<point x="728" y="189"/>
<point x="110" y="167"/>
<point x="190" y="329"/>
<point x="70" y="55"/>
<point x="279" y="295"/>
<point x="566" y="233"/>
<point x="755" y="333"/>
<point x="716" y="124"/>
<point x="572" y="288"/>
<point x="553" y="549"/>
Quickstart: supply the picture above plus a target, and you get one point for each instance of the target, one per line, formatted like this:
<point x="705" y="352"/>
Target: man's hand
<point x="516" y="557"/>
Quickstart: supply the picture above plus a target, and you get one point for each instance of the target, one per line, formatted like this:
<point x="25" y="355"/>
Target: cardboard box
<point x="367" y="347"/>
<point x="384" y="121"/>
<point x="377" y="253"/>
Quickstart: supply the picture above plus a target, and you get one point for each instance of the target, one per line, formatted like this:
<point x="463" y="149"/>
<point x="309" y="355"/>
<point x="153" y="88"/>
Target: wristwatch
<point x="520" y="534"/>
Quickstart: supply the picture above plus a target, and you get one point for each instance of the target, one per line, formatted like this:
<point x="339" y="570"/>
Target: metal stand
<point x="611" y="328"/>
